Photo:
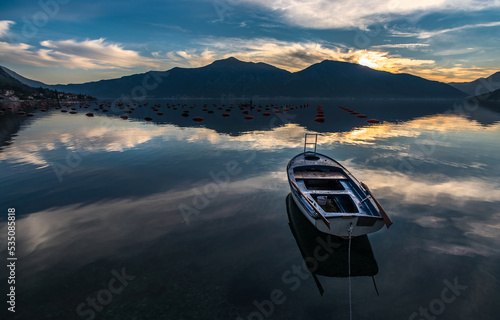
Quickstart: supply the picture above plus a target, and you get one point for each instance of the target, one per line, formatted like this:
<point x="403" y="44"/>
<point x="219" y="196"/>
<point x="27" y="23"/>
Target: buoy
<point x="185" y="115"/>
<point x="210" y="111"/>
<point x="30" y="115"/>
<point x="245" y="112"/>
<point x="277" y="111"/>
<point x="64" y="110"/>
<point x="128" y="111"/>
<point x="266" y="114"/>
<point x="225" y="115"/>
<point x="89" y="114"/>
<point x="105" y="110"/>
<point x="160" y="113"/>
<point x="197" y="119"/>
<point x="73" y="112"/>
<point x="148" y="118"/>
<point x="249" y="118"/>
<point x="320" y="119"/>
<point x="124" y="117"/>
<point x="373" y="121"/>
<point x="362" y="116"/>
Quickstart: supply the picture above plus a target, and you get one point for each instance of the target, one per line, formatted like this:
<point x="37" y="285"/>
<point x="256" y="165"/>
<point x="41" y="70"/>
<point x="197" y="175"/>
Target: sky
<point x="71" y="41"/>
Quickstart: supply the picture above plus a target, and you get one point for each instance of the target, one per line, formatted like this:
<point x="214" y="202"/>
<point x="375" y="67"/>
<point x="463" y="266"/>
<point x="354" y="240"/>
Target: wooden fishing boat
<point x="331" y="198"/>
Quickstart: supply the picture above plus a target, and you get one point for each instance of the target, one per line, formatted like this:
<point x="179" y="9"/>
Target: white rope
<point x="349" y="266"/>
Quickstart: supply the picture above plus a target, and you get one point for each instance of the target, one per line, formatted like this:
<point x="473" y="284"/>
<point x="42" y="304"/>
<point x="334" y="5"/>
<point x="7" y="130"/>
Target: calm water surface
<point x="172" y="219"/>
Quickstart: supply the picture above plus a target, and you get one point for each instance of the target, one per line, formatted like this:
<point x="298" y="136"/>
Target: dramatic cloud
<point x="345" y="14"/>
<point x="88" y="54"/>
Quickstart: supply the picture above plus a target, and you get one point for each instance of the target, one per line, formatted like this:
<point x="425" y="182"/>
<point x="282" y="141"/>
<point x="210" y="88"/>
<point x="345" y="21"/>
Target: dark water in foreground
<point x="173" y="219"/>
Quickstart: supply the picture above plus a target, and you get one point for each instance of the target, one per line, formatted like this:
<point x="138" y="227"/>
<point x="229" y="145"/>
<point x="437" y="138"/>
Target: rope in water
<point x="349" y="266"/>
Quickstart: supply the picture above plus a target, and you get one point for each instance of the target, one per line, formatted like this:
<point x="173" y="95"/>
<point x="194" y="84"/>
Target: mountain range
<point x="232" y="77"/>
<point x="23" y="91"/>
<point x="479" y="86"/>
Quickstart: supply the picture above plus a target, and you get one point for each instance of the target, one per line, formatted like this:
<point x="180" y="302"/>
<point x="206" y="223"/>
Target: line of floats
<point x="186" y="111"/>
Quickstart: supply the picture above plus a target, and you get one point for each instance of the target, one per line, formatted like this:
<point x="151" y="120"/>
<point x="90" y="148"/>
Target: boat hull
<point x="340" y="225"/>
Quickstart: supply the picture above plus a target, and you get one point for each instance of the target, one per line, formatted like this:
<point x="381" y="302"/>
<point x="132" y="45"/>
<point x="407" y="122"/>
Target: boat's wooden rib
<point x="321" y="216"/>
<point x="319" y="175"/>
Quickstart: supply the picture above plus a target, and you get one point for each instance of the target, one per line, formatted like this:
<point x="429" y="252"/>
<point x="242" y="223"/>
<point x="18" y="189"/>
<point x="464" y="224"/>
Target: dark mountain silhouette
<point x="26" y="92"/>
<point x="343" y="79"/>
<point x="7" y="81"/>
<point x="479" y="86"/>
<point x="232" y="77"/>
<point x="21" y="90"/>
<point x="490" y="96"/>
<point x="23" y="80"/>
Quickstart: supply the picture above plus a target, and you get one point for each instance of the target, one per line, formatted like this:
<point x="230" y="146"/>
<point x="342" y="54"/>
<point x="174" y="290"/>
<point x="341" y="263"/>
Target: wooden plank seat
<point x="319" y="175"/>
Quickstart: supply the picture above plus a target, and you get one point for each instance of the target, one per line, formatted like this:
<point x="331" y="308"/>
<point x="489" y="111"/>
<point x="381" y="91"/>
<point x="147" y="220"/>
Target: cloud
<point x="72" y="54"/>
<point x="454" y="73"/>
<point x="345" y="14"/>
<point x="424" y="34"/>
<point x="4" y="27"/>
<point x="402" y="45"/>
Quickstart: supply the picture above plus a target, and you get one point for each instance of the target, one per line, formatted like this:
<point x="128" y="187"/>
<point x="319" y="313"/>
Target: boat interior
<point x="330" y="188"/>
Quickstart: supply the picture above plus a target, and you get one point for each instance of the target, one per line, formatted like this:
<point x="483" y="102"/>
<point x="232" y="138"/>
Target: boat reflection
<point x="328" y="255"/>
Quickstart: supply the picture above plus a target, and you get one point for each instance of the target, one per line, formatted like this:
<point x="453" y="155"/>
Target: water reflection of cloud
<point x="430" y="222"/>
<point x="85" y="232"/>
<point x="462" y="210"/>
<point x="470" y="249"/>
<point x="427" y="189"/>
<point x="111" y="134"/>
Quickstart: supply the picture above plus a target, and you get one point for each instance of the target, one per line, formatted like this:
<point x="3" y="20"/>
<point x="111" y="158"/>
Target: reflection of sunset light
<point x="358" y="131"/>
